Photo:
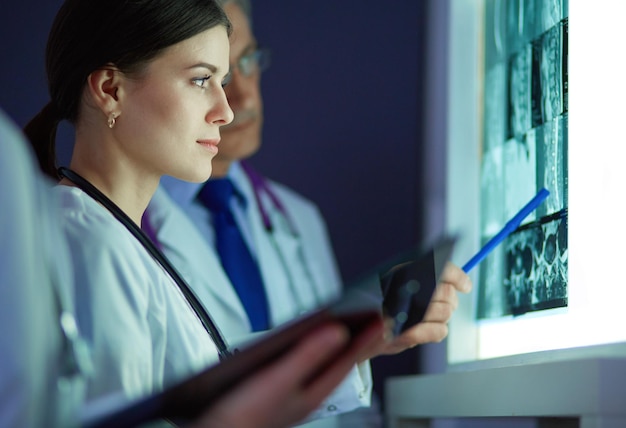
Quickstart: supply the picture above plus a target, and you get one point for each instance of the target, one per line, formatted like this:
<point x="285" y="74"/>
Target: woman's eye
<point x="202" y="81"/>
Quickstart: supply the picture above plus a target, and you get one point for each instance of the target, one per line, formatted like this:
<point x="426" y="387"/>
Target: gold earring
<point x="111" y="121"/>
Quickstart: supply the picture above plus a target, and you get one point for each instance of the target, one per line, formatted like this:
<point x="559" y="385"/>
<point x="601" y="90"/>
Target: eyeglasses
<point x="249" y="64"/>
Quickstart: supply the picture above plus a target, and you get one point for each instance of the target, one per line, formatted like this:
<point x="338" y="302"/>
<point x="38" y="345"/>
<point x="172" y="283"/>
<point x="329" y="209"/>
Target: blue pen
<point x="507" y="229"/>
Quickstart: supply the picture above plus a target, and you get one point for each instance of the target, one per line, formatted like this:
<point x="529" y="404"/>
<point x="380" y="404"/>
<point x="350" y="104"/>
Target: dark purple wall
<point x="23" y="31"/>
<point x="343" y="108"/>
<point x="342" y="119"/>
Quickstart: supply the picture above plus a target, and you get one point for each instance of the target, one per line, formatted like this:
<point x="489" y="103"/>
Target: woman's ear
<point x="102" y="87"/>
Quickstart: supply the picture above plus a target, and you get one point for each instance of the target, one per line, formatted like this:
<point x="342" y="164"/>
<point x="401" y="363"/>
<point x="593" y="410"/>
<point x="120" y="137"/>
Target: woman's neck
<point x="126" y="187"/>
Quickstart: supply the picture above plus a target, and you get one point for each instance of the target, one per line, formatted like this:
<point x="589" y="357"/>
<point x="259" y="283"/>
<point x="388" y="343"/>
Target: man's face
<point x="242" y="138"/>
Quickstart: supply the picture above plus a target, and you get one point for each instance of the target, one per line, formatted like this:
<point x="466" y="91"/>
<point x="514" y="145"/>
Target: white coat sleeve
<point x="31" y="345"/>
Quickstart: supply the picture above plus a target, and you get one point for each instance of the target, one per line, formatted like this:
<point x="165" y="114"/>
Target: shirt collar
<point x="184" y="193"/>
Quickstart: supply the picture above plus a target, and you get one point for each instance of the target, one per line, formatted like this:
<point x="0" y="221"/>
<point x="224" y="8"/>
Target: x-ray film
<point x="529" y="272"/>
<point x="525" y="148"/>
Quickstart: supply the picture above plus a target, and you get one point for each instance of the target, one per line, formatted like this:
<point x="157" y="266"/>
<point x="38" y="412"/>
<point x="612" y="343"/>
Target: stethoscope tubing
<point x="261" y="186"/>
<point x="140" y="235"/>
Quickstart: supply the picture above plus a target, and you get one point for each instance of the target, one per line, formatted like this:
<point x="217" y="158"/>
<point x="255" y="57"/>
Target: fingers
<point x="313" y="351"/>
<point x="379" y="347"/>
<point x="278" y="396"/>
<point x="444" y="302"/>
<point x="445" y="299"/>
<point x="295" y="384"/>
<point x="440" y="312"/>
<point x="446" y="293"/>
<point x="454" y="275"/>
<point x="324" y="383"/>
<point x="301" y="374"/>
<point x="424" y="332"/>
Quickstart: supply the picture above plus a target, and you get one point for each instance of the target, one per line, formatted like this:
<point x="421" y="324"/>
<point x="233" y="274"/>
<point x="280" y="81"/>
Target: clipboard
<point x="187" y="399"/>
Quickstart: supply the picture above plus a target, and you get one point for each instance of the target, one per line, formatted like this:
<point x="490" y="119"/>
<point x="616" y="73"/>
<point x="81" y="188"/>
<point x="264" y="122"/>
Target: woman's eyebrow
<point x="212" y="68"/>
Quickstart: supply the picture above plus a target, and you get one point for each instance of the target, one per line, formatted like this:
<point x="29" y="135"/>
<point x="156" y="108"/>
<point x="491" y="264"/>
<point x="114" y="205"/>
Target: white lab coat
<point x="141" y="331"/>
<point x="308" y="260"/>
<point x="38" y="384"/>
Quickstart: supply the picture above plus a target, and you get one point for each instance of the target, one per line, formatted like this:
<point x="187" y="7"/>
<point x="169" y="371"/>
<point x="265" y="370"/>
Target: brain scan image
<point x="535" y="275"/>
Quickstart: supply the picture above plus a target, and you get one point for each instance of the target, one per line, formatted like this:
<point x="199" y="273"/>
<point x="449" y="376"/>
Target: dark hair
<point x="88" y="34"/>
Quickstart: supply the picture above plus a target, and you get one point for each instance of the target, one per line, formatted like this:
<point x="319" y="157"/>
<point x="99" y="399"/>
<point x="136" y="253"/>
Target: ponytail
<point x="41" y="132"/>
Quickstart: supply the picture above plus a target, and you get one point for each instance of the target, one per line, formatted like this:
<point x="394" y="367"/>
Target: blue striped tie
<point x="235" y="255"/>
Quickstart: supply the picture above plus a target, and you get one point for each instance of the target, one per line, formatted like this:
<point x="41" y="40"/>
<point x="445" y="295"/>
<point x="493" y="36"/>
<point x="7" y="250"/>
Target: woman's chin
<point x="199" y="177"/>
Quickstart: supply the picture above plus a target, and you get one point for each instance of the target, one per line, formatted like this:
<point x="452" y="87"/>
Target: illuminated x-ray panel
<point x="525" y="149"/>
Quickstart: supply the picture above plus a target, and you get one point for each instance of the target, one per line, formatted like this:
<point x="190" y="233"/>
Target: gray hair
<point x="244" y="5"/>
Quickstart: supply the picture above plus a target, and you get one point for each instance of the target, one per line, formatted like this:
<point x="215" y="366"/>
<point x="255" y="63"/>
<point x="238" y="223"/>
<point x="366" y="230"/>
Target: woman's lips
<point x="210" y="145"/>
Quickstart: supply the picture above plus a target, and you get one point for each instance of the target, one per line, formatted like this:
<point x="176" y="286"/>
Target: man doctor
<point x="284" y="232"/>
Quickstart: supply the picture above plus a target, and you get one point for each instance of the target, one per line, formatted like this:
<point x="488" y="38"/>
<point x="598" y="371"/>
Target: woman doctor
<point x="41" y="349"/>
<point x="285" y="231"/>
<point x="141" y="81"/>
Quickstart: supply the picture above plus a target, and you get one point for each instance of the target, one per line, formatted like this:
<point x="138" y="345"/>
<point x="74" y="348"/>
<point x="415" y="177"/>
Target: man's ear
<point x="103" y="86"/>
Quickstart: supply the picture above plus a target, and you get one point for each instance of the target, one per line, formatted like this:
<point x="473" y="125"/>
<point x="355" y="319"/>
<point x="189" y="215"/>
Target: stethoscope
<point x="261" y="187"/>
<point x="142" y="237"/>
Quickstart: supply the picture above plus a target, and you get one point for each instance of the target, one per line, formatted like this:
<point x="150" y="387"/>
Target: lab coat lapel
<point x="279" y="252"/>
<point x="198" y="263"/>
<point x="283" y="304"/>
